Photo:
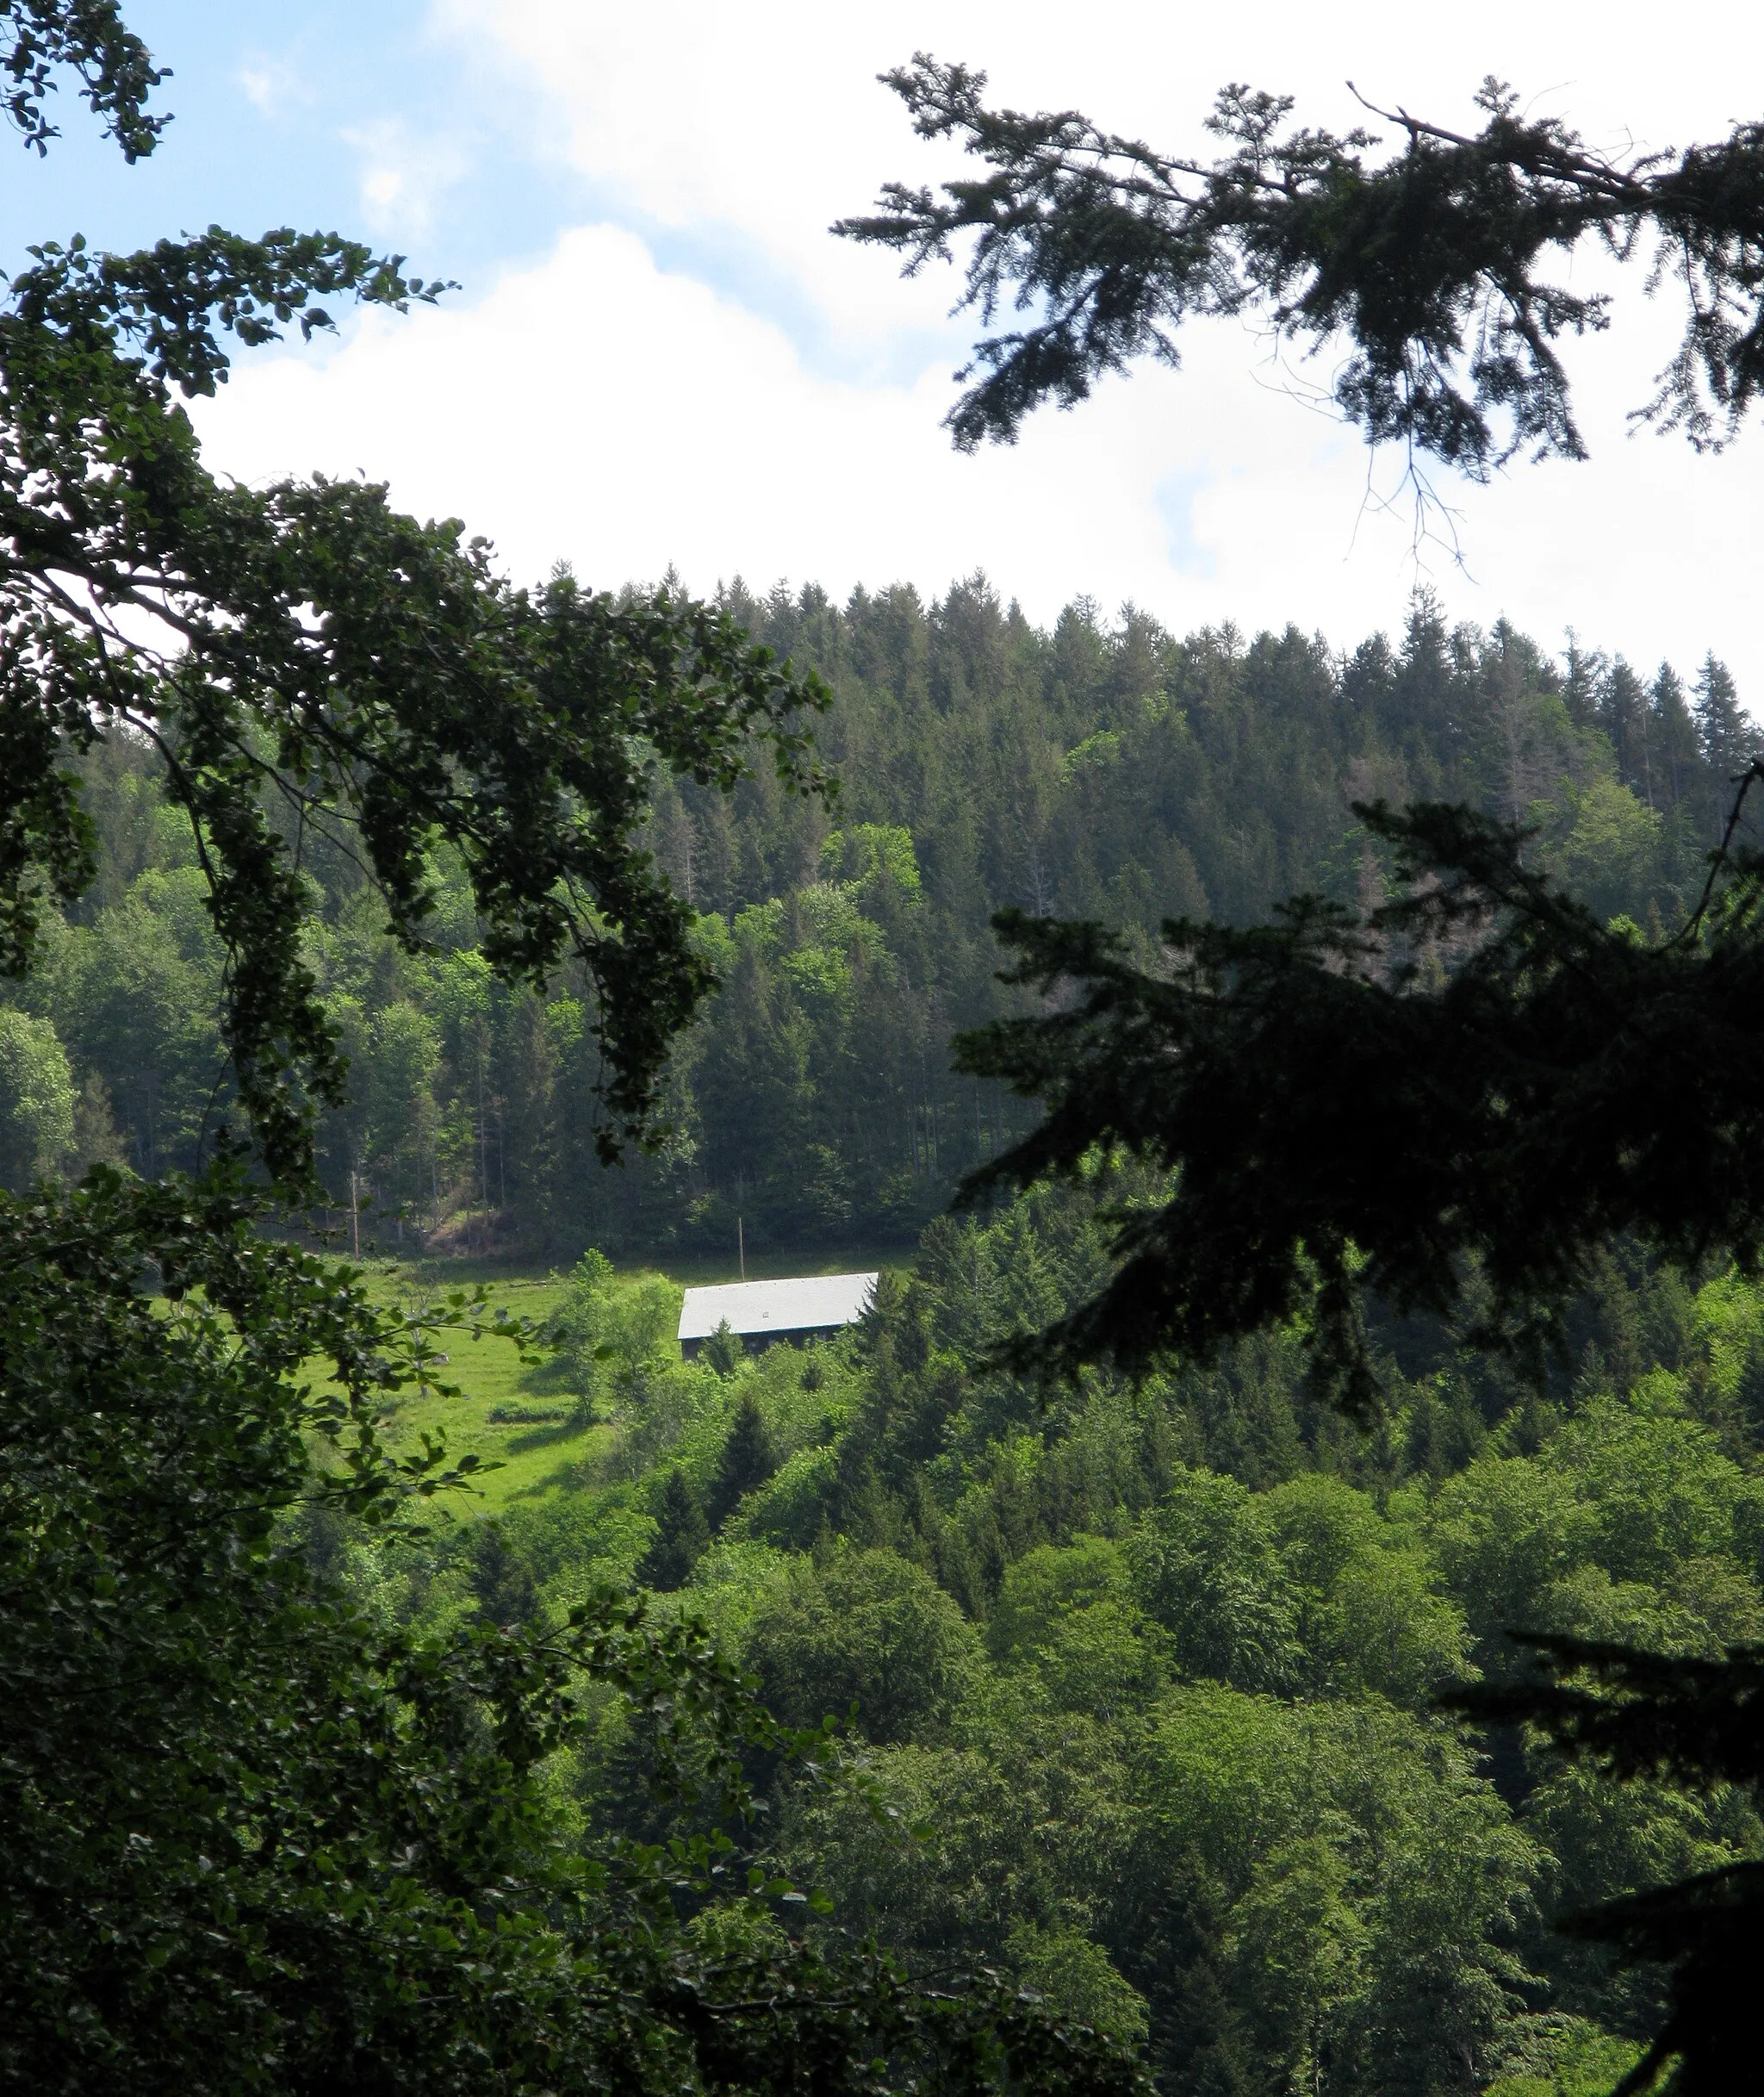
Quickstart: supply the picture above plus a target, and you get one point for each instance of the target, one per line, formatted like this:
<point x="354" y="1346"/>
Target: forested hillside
<point x="1148" y="1678"/>
<point x="1269" y="1599"/>
<point x="1105" y="769"/>
<point x="1145" y="1681"/>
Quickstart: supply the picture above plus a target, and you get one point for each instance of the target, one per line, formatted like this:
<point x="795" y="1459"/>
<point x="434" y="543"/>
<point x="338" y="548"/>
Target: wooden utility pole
<point x="741" y="1246"/>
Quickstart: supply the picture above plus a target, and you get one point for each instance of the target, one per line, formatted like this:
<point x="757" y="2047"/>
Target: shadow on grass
<point x="550" y="1378"/>
<point x="544" y="1438"/>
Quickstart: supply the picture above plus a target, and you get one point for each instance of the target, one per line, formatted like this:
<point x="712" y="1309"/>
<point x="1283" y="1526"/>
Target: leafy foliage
<point x="612" y="1338"/>
<point x="1146" y="1678"/>
<point x="36" y="1100"/>
<point x="301" y="1795"/>
<point x="257" y="1841"/>
<point x="812" y="1096"/>
<point x="1694" y="1720"/>
<point x="257" y="1838"/>
<point x="1149" y="1676"/>
<point x="871" y="1634"/>
<point x="309" y="663"/>
<point x="114" y="67"/>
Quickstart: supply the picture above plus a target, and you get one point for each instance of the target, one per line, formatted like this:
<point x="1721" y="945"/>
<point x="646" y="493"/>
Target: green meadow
<point x="515" y="1408"/>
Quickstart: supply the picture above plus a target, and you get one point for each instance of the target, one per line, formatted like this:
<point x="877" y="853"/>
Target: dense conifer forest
<point x="1269" y="1595"/>
<point x="1146" y="1680"/>
<point x="1103" y="769"/>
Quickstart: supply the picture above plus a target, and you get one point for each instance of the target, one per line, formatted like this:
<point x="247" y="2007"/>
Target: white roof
<point x="809" y="1302"/>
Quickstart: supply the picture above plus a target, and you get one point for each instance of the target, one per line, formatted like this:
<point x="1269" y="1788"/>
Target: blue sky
<point x="656" y="355"/>
<point x="395" y="120"/>
<point x="280" y="113"/>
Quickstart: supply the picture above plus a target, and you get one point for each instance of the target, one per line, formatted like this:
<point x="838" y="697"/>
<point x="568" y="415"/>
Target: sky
<point x="657" y="356"/>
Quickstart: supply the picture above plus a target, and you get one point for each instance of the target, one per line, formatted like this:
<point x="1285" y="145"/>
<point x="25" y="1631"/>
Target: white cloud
<point x="599" y="409"/>
<point x="404" y="176"/>
<point x="769" y="400"/>
<point x="270" y="86"/>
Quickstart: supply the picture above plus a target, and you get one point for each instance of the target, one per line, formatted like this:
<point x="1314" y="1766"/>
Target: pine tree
<point x="723" y="1349"/>
<point x="1673" y="733"/>
<point x="1622" y="712"/>
<point x="1727" y="734"/>
<point x="1584" y="673"/>
<point x="529" y="1115"/>
<point x="1695" y="1722"/>
<point x="682" y="1535"/>
<point x="1440" y="260"/>
<point x="502" y="1583"/>
<point x="748" y="1460"/>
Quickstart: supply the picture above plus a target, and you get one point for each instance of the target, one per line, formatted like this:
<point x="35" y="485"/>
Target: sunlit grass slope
<point x="521" y="1417"/>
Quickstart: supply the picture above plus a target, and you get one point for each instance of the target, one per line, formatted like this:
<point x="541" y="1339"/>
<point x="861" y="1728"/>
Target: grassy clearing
<point x="536" y="1454"/>
<point x="539" y="1456"/>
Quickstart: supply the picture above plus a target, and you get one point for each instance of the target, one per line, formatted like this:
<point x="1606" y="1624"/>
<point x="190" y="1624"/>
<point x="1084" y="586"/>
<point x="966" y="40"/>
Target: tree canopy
<point x="310" y="663"/>
<point x="1465" y="1094"/>
<point x="114" y="69"/>
<point x="287" y="1810"/>
<point x="259" y="1841"/>
<point x="1150" y="1676"/>
<point x="1094" y="767"/>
